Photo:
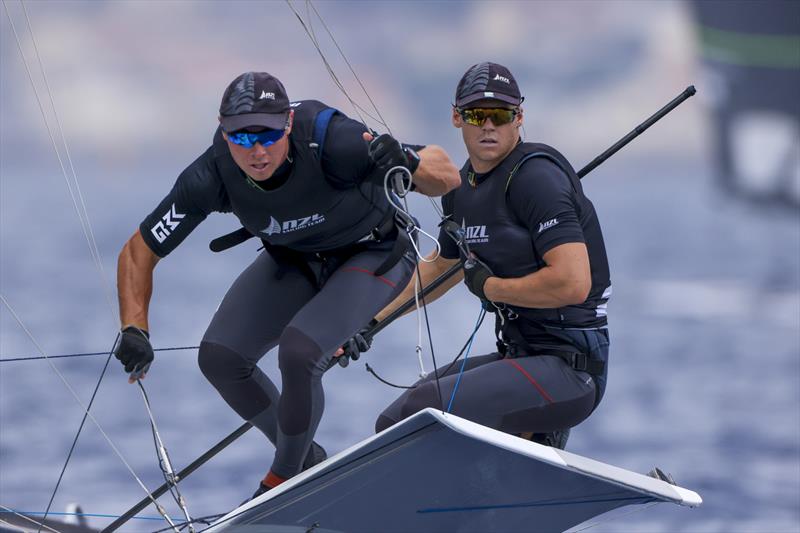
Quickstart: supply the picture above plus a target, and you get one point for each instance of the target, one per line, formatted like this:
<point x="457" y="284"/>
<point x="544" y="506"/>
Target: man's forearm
<point x="428" y="273"/>
<point x="135" y="282"/>
<point x="436" y="174"/>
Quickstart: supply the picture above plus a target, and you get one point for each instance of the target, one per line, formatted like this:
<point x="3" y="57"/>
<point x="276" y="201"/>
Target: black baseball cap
<point x="487" y="80"/>
<point x="254" y="99"/>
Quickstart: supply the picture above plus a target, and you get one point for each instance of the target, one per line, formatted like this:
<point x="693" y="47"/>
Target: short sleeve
<point x="197" y="192"/>
<point x="541" y="196"/>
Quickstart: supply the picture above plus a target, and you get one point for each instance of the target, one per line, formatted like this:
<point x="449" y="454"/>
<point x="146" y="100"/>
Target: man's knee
<point x="298" y="356"/>
<point x="220" y="364"/>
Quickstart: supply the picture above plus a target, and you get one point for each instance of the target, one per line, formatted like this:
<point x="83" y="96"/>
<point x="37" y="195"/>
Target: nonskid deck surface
<point x="438" y="472"/>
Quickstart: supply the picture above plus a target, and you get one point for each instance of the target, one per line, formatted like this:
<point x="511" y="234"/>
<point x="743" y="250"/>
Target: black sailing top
<point x="312" y="203"/>
<point x="530" y="203"/>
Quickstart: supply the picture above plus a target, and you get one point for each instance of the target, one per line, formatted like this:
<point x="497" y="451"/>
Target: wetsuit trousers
<point x="538" y="394"/>
<point x="261" y="311"/>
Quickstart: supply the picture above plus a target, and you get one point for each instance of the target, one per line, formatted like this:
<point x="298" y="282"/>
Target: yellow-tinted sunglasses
<point x="476" y="116"/>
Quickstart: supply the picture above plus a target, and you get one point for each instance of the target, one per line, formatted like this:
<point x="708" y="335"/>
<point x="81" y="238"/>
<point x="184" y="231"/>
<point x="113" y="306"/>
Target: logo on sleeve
<point x="275" y="227"/>
<point x="547" y="225"/>
<point x="167" y="224"/>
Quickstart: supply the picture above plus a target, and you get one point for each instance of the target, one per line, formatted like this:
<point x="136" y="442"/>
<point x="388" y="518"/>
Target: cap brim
<point x="488" y="95"/>
<point x="275" y="121"/>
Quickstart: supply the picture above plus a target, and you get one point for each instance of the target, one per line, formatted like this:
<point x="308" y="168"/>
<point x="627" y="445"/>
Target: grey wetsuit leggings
<point x="262" y="310"/>
<point x="538" y="394"/>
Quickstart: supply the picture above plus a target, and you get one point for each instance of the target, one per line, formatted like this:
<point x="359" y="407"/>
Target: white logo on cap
<point x="488" y="94"/>
<point x="266" y="96"/>
<point x="498" y="77"/>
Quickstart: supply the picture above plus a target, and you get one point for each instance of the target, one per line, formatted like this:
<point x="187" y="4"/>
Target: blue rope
<point x="466" y="355"/>
<point x="34" y="513"/>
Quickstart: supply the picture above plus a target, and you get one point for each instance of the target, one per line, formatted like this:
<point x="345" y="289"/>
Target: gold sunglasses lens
<point x="477" y="116"/>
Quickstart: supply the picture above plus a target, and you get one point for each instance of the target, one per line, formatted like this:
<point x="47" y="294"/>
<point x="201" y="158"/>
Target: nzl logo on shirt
<point x="289" y="226"/>
<point x="167" y="224"/>
<point x="474" y="234"/>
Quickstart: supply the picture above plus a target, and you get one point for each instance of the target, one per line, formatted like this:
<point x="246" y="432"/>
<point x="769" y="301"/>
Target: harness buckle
<point x="580" y="361"/>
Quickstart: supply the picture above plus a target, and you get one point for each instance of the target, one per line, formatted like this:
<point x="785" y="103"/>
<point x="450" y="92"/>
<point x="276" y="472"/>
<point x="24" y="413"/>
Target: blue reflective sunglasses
<point x="248" y="140"/>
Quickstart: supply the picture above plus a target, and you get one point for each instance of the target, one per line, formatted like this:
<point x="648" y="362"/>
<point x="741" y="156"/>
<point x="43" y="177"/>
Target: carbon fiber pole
<point x="197" y="463"/>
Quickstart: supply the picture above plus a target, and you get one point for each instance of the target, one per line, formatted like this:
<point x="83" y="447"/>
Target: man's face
<point x="260" y="162"/>
<point x="489" y="143"/>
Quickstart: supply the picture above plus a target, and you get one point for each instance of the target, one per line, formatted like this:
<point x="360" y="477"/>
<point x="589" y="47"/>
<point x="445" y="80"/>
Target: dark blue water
<point x="705" y="315"/>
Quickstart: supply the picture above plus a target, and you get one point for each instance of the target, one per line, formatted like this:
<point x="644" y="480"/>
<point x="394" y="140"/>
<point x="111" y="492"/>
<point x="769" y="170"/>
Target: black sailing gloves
<point x="355" y="346"/>
<point x="134" y="351"/>
<point x="476" y="272"/>
<point x="387" y="152"/>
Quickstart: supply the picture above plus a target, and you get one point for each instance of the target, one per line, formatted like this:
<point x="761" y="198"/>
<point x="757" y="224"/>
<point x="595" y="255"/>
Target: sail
<point x="437" y="472"/>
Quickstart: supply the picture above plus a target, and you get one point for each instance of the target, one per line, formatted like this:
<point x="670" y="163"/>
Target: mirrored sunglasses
<point x="248" y="140"/>
<point x="476" y="116"/>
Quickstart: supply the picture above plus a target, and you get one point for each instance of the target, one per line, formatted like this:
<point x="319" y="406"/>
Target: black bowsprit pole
<point x="638" y="130"/>
<point x="197" y="463"/>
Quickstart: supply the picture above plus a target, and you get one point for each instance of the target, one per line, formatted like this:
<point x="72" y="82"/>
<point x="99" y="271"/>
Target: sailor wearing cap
<point x="534" y="255"/>
<point x="309" y="183"/>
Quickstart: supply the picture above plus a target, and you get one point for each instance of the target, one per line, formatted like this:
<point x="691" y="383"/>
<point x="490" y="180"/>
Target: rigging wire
<point x="164" y="463"/>
<point x="29" y="519"/>
<point x="39" y="358"/>
<point x="83" y="214"/>
<point x="161" y="510"/>
<point x="78" y="434"/>
<point x="401" y="211"/>
<point x="481" y="315"/>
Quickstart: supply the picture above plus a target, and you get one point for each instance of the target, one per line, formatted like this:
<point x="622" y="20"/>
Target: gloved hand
<point x="476" y="272"/>
<point x="135" y="352"/>
<point x="387" y="152"/>
<point x="355" y="346"/>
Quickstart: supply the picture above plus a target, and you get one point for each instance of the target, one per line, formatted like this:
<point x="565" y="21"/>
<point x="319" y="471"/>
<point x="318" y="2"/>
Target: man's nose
<point x="488" y="124"/>
<point x="258" y="149"/>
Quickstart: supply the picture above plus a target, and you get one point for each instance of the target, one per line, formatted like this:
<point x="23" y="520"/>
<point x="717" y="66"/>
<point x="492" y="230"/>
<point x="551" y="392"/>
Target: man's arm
<point x="436" y="174"/>
<point x="427" y="272"/>
<point x="565" y="280"/>
<point x="135" y="281"/>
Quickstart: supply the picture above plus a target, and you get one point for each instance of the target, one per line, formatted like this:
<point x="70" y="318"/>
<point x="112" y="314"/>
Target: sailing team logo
<point x="547" y="225"/>
<point x="275" y="227"/>
<point x="474" y="234"/>
<point x="167" y="224"/>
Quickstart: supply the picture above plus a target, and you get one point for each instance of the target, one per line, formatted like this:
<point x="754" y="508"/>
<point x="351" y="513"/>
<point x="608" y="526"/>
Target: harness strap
<point x="229" y="240"/>
<point x="513" y="344"/>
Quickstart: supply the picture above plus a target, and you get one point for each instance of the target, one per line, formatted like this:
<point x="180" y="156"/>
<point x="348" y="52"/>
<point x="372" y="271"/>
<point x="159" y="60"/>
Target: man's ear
<point x="456" y="118"/>
<point x="290" y="122"/>
<point x="519" y="118"/>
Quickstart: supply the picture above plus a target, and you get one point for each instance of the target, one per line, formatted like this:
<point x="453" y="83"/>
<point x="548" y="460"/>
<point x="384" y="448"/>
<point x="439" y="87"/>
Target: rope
<point x="38" y="358"/>
<point x="80" y="428"/>
<point x="85" y="409"/>
<point x="481" y="314"/>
